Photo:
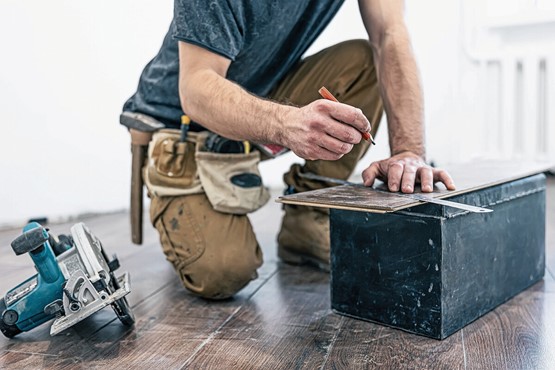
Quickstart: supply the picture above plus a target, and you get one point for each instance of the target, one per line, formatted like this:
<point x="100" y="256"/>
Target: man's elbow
<point x="188" y="97"/>
<point x="197" y="91"/>
<point x="394" y="33"/>
<point x="184" y="99"/>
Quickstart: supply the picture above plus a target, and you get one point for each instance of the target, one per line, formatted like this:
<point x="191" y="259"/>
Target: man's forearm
<point x="402" y="96"/>
<point x="227" y="109"/>
<point x="401" y="92"/>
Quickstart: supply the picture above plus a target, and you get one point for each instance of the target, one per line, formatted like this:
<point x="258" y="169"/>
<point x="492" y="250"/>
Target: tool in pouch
<point x="218" y="144"/>
<point x="417" y="197"/>
<point x="75" y="278"/>
<point x="228" y="172"/>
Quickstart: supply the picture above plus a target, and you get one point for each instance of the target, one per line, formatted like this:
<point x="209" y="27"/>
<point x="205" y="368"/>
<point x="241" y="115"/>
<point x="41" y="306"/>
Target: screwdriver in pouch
<point x="185" y="121"/>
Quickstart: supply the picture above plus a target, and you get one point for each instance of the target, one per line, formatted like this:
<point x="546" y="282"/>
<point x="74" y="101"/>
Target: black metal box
<point x="431" y="269"/>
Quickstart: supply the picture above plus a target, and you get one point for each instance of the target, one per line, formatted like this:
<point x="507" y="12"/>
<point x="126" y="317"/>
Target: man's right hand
<point x="324" y="130"/>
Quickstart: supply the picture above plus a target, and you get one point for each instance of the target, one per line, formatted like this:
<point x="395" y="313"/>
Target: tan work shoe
<point x="304" y="237"/>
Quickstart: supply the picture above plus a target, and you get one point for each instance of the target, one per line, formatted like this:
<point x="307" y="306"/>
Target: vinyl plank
<point x="288" y="324"/>
<point x="519" y="334"/>
<point x="364" y="345"/>
<point x="23" y="360"/>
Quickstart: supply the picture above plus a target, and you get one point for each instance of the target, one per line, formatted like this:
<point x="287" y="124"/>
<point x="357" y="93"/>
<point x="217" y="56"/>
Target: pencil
<point x="326" y="94"/>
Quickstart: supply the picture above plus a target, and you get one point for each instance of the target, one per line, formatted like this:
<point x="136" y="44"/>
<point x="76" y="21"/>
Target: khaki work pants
<point x="216" y="254"/>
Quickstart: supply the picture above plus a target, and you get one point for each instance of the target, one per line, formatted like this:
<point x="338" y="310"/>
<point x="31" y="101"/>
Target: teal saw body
<point x="74" y="279"/>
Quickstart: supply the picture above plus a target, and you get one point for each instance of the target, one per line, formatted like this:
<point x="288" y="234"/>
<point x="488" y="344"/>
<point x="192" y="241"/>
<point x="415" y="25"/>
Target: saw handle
<point x="30" y="240"/>
<point x="34" y="241"/>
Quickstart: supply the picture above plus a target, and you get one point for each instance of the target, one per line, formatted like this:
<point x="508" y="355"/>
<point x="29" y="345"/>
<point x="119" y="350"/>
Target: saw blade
<point x="417" y="197"/>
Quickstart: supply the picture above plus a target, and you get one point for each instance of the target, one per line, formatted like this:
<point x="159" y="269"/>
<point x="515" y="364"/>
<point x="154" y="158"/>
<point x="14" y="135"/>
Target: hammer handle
<point x="137" y="161"/>
<point x="139" y="146"/>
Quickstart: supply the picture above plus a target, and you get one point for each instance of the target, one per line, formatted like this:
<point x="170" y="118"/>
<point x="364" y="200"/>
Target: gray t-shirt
<point x="264" y="39"/>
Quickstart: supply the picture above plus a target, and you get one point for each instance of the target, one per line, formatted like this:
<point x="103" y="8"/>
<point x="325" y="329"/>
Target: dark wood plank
<point x="349" y="197"/>
<point x="365" y="345"/>
<point x="287" y="325"/>
<point x="517" y="335"/>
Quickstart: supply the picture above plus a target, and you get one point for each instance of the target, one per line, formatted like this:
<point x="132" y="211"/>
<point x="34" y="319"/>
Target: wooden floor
<point x="280" y="321"/>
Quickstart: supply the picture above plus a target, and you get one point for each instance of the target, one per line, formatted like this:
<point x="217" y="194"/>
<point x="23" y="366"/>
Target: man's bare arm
<point x="316" y="131"/>
<point x="402" y="96"/>
<point x="397" y="72"/>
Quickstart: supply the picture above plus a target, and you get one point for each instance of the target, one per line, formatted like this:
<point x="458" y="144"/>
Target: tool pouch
<point x="171" y="169"/>
<point x="232" y="181"/>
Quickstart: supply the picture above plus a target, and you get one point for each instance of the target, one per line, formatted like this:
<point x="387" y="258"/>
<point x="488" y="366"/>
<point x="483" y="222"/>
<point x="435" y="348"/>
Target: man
<point x="234" y="68"/>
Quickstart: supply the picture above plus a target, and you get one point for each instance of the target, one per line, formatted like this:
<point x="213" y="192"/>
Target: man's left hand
<point x="403" y="171"/>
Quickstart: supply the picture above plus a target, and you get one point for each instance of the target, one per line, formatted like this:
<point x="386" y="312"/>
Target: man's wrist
<point x="417" y="152"/>
<point x="282" y="118"/>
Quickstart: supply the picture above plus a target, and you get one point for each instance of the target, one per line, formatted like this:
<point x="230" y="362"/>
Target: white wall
<point x="66" y="68"/>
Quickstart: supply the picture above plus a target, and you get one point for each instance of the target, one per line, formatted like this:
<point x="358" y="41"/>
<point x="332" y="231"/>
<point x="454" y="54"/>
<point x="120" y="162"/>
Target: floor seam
<point x="332" y="342"/>
<point x="211" y="337"/>
<point x="463" y="348"/>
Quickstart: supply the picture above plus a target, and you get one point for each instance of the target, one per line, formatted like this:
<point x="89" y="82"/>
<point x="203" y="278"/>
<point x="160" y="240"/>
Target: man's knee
<point x="220" y="276"/>
<point x="215" y="254"/>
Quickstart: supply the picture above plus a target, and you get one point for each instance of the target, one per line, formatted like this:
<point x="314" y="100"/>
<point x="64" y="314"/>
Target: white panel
<point x="508" y="112"/>
<point x="541" y="137"/>
<point x="550" y="106"/>
<point x="492" y="142"/>
<point x="529" y="129"/>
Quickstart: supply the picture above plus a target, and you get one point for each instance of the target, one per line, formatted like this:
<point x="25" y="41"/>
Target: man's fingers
<point x="344" y="133"/>
<point x="403" y="171"/>
<point x="349" y="115"/>
<point x="426" y="179"/>
<point x="319" y="153"/>
<point x="335" y="146"/>
<point x="394" y="175"/>
<point x="445" y="178"/>
<point x="370" y="174"/>
<point x="409" y="178"/>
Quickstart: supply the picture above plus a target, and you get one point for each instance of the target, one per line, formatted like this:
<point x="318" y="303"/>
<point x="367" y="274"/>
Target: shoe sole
<point x="299" y="259"/>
